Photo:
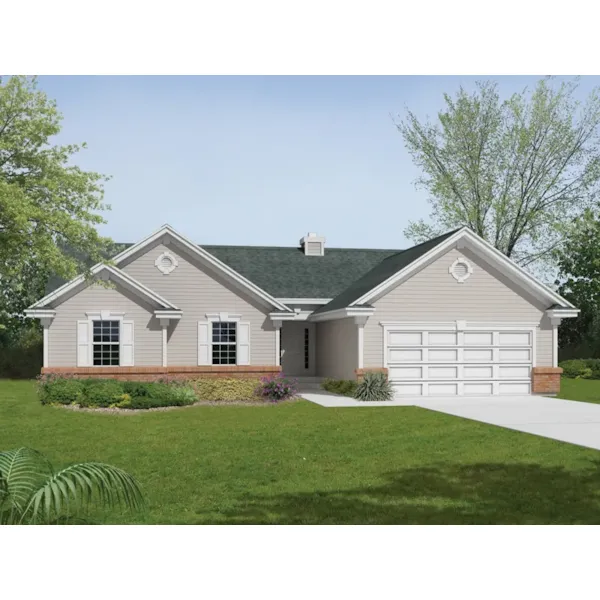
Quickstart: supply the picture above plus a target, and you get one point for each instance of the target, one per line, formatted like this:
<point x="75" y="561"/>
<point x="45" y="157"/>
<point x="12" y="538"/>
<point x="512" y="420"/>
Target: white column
<point x="46" y="324"/>
<point x="277" y="326"/>
<point x="555" y="323"/>
<point x="164" y="323"/>
<point x="360" y="322"/>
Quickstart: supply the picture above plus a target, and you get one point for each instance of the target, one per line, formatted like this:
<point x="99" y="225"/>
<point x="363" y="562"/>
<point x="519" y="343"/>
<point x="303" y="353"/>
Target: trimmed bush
<point x="137" y="388"/>
<point x="102" y="392"/>
<point x="344" y="387"/>
<point x="226" y="389"/>
<point x="374" y="387"/>
<point x="581" y="368"/>
<point x="60" y="390"/>
<point x="277" y="388"/>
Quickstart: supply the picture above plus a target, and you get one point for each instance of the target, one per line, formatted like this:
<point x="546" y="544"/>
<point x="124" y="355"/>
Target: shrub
<point x="277" y="388"/>
<point x="60" y="390"/>
<point x="102" y="392"/>
<point x="344" y="387"/>
<point x="138" y="388"/>
<point x="226" y="389"/>
<point x="581" y="368"/>
<point x="155" y="395"/>
<point x="374" y="387"/>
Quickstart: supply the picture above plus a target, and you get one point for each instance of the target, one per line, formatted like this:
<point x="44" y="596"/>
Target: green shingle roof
<point x="379" y="273"/>
<point x="288" y="273"/>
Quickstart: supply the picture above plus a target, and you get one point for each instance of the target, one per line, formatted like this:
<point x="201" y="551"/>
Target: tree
<point x="516" y="172"/>
<point x="47" y="204"/>
<point x="579" y="282"/>
<point x="31" y="492"/>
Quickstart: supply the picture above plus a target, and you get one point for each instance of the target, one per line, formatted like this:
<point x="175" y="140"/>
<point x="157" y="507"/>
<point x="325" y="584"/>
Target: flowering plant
<point x="277" y="388"/>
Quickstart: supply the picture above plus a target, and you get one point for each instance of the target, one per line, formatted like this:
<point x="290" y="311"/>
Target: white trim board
<point x="205" y="255"/>
<point x="342" y="313"/>
<point x="504" y="264"/>
<point x="305" y="300"/>
<point x="98" y="269"/>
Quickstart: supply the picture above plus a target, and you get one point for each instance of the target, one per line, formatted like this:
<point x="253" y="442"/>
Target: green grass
<point x="300" y="463"/>
<point x="584" y="390"/>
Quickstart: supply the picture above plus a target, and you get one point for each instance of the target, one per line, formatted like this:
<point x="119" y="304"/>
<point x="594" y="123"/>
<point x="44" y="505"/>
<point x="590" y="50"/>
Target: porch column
<point x="555" y="322"/>
<point x="277" y="326"/>
<point x="164" y="318"/>
<point x="360" y="323"/>
<point x="164" y="323"/>
<point x="46" y="321"/>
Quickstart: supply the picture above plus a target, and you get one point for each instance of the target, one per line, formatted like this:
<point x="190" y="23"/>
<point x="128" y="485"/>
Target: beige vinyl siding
<point x="62" y="334"/>
<point x="434" y="295"/>
<point x="337" y="349"/>
<point x="196" y="290"/>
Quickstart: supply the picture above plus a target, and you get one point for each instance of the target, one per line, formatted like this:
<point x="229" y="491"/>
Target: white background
<point x="297" y="38"/>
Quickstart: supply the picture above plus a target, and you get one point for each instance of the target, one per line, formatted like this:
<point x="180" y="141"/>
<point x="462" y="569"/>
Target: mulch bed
<point x="78" y="408"/>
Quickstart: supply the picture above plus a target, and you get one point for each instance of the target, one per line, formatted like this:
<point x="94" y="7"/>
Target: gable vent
<point x="313" y="244"/>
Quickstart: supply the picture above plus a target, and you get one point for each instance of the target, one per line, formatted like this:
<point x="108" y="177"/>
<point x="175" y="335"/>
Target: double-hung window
<point x="106" y="343"/>
<point x="224" y="343"/>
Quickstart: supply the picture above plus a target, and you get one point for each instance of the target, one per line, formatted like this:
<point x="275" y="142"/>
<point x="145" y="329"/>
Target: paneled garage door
<point x="446" y="362"/>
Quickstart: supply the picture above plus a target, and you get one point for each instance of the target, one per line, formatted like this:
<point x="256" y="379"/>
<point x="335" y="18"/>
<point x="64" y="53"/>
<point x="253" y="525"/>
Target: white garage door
<point x="442" y="362"/>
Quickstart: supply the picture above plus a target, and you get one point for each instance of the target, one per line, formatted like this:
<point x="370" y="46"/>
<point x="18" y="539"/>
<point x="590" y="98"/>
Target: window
<point x="306" y="348"/>
<point x="224" y="343"/>
<point x="106" y="344"/>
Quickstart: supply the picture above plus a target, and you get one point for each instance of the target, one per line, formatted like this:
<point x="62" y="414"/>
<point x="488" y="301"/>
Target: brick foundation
<point x="360" y="373"/>
<point x="156" y="373"/>
<point x="545" y="380"/>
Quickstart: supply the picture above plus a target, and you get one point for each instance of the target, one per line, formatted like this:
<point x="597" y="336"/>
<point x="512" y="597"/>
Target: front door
<point x="297" y="348"/>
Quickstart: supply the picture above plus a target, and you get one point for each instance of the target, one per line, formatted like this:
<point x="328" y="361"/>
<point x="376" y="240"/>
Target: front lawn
<point x="300" y="463"/>
<point x="584" y="390"/>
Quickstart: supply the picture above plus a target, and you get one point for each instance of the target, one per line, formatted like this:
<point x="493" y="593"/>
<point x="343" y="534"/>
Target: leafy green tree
<point x="579" y="281"/>
<point x="517" y="172"/>
<point x="32" y="492"/>
<point x="47" y="203"/>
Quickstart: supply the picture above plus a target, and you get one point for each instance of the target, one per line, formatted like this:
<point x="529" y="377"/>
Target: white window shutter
<point x="243" y="343"/>
<point x="83" y="344"/>
<point x="204" y="357"/>
<point x="127" y="346"/>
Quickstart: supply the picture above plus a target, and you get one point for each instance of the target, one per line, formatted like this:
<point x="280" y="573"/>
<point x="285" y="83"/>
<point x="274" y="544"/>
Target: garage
<point x="459" y="359"/>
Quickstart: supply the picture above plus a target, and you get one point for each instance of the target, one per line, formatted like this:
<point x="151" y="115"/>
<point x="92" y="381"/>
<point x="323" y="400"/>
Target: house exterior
<point x="452" y="316"/>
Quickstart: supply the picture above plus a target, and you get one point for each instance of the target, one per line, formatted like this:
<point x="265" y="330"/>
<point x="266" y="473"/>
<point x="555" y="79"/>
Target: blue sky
<point x="256" y="160"/>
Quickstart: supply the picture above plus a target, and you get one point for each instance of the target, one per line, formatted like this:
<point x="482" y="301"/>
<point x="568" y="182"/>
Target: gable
<point x="168" y="235"/>
<point x="434" y="294"/>
<point x="107" y="273"/>
<point x="192" y="279"/>
<point x="198" y="290"/>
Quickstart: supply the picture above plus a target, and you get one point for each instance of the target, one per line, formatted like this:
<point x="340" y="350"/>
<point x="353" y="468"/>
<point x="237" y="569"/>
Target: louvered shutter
<point x="243" y="343"/>
<point x="127" y="347"/>
<point x="83" y="344"/>
<point x="204" y="357"/>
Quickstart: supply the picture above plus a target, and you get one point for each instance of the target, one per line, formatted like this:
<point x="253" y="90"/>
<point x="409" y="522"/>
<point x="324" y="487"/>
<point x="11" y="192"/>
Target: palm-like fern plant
<point x="31" y="492"/>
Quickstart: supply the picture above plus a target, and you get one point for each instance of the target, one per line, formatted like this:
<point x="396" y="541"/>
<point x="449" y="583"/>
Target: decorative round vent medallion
<point x="166" y="263"/>
<point x="461" y="269"/>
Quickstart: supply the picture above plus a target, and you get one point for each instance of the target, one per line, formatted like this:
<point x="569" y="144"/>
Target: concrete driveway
<point x="564" y="420"/>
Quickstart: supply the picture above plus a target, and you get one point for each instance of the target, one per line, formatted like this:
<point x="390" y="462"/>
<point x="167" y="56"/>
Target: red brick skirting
<point x="154" y="373"/>
<point x="545" y="380"/>
<point x="360" y="373"/>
